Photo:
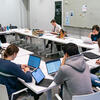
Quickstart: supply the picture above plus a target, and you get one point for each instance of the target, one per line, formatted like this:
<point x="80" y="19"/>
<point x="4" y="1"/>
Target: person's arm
<point x="95" y="42"/>
<point x="59" y="78"/>
<point x="55" y="33"/>
<point x="17" y="71"/>
<point x="90" y="35"/>
<point x="98" y="61"/>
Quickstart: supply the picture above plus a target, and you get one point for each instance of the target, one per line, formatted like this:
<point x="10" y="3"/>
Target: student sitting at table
<point x="94" y="78"/>
<point x="95" y="34"/>
<point x="10" y="72"/>
<point x="73" y="73"/>
<point x="56" y="29"/>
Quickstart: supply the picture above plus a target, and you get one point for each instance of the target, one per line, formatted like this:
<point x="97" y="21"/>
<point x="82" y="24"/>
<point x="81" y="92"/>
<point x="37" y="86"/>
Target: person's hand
<point x="25" y="68"/>
<point x="95" y="42"/>
<point x="98" y="61"/>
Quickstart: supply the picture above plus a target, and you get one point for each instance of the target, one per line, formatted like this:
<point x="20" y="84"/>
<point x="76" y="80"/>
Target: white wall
<point x="58" y="0"/>
<point x="13" y="12"/>
<point x="41" y="13"/>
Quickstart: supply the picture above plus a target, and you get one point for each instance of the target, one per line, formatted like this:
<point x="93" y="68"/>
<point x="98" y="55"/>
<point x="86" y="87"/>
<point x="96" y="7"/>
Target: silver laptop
<point x="87" y="40"/>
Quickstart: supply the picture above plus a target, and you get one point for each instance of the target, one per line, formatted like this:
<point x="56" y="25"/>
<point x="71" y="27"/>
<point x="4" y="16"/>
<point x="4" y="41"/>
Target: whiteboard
<point x="73" y="14"/>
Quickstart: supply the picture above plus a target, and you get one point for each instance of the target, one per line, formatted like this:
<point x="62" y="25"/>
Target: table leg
<point x="31" y="41"/>
<point x="53" y="47"/>
<point x="44" y="49"/>
<point x="16" y="36"/>
<point x="49" y="95"/>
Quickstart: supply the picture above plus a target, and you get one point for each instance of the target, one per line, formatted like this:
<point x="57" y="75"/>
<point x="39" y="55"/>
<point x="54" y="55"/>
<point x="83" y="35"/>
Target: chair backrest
<point x="92" y="96"/>
<point x="3" y="93"/>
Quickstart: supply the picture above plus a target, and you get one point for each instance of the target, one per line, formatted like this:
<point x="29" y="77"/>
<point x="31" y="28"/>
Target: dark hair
<point x="10" y="50"/>
<point x="62" y="30"/>
<point x="53" y="21"/>
<point x="95" y="27"/>
<point x="99" y="42"/>
<point x="71" y="49"/>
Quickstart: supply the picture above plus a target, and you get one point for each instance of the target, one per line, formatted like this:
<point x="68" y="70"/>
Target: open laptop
<point x="53" y="66"/>
<point x="34" y="62"/>
<point x="87" y="40"/>
<point x="40" y="78"/>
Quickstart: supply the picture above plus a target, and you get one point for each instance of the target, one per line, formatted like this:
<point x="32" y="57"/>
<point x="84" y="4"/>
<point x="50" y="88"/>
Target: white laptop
<point x="87" y="40"/>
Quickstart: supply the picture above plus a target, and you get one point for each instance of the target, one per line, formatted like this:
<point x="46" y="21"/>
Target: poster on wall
<point x="84" y="8"/>
<point x="67" y="19"/>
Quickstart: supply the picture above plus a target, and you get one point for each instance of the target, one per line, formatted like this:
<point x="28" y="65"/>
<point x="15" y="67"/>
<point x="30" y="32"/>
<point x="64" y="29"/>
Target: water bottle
<point x="7" y="28"/>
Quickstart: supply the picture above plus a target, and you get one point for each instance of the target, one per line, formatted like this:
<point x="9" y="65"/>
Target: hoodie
<point x="75" y="76"/>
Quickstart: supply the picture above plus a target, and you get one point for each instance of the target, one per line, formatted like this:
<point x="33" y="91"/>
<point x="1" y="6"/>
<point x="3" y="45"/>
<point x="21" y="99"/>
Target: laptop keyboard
<point x="45" y="82"/>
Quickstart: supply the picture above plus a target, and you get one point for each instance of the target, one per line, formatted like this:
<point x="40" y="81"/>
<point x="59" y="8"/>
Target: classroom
<point x="49" y="50"/>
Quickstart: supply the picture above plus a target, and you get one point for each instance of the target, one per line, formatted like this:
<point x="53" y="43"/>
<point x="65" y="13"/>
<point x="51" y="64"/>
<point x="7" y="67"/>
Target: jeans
<point x="94" y="78"/>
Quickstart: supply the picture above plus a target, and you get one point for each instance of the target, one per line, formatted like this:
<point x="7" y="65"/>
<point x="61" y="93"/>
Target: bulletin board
<point x="81" y="13"/>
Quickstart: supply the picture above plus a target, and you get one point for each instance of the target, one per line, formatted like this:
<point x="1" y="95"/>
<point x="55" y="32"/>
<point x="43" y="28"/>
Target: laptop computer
<point x="34" y="62"/>
<point x="40" y="78"/>
<point x="91" y="55"/>
<point x="53" y="66"/>
<point x="87" y="40"/>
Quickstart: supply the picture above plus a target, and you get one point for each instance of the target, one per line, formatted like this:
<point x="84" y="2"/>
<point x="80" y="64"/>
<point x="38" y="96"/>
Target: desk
<point x="92" y="62"/>
<point x="8" y="32"/>
<point x="35" y="88"/>
<point x="66" y="40"/>
<point x="21" y="52"/>
<point x="49" y="36"/>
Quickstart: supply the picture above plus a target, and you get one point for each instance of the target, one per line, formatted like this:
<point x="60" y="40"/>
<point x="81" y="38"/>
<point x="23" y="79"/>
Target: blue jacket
<point x="11" y="82"/>
<point x="95" y="37"/>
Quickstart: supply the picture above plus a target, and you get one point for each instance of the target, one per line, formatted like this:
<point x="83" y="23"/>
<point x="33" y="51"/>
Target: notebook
<point x="40" y="78"/>
<point x="90" y="55"/>
<point x="53" y="66"/>
<point x="34" y="61"/>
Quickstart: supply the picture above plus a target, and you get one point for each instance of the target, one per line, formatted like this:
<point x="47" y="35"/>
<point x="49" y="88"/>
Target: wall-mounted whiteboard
<point x="81" y="13"/>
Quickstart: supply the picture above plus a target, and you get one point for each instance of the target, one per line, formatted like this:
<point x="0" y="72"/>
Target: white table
<point x="23" y="59"/>
<point x="49" y="36"/>
<point x="21" y="52"/>
<point x="35" y="88"/>
<point x="92" y="62"/>
<point x="66" y="40"/>
<point x="40" y="89"/>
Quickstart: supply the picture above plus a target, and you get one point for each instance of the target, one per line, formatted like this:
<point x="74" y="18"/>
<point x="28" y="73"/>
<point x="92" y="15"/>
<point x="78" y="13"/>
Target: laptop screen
<point x="53" y="66"/>
<point x="34" y="61"/>
<point x="38" y="75"/>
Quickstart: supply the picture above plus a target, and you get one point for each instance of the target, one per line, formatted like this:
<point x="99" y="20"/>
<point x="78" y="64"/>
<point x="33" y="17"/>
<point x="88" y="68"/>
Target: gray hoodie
<point x="75" y="76"/>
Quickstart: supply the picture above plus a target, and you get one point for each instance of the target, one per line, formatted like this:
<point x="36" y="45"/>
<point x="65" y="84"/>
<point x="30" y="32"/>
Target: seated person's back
<point x="74" y="73"/>
<point x="10" y="72"/>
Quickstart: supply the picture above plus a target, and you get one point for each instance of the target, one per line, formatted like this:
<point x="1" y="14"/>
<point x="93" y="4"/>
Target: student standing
<point x="74" y="73"/>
